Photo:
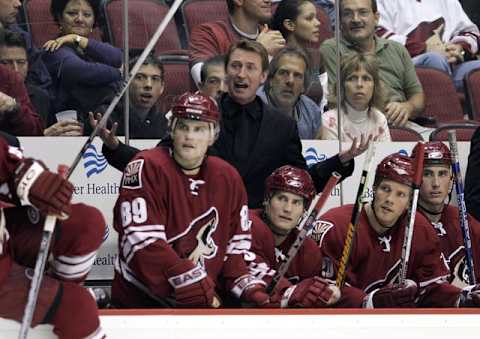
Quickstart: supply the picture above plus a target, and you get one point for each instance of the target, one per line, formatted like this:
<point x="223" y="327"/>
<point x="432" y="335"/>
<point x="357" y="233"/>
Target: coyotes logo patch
<point x="132" y="176"/>
<point x="319" y="230"/>
<point x="196" y="242"/>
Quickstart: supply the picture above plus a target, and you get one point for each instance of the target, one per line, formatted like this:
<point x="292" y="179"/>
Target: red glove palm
<point x="193" y="287"/>
<point x="47" y="191"/>
<point x="393" y="296"/>
<point x="311" y="292"/>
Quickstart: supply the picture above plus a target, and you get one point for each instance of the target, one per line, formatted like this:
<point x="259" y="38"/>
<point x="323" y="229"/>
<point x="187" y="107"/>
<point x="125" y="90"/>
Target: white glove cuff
<point x="368" y="300"/>
<point x="286" y="296"/>
<point x="26" y="182"/>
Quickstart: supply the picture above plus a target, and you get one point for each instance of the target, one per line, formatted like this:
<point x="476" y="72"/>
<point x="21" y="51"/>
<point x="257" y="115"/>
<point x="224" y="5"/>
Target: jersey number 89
<point x="135" y="211"/>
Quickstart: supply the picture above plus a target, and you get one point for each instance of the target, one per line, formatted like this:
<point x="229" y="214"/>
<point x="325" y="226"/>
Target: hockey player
<point x="436" y="187"/>
<point x="376" y="250"/>
<point x="62" y="302"/>
<point x="288" y="192"/>
<point x="182" y="220"/>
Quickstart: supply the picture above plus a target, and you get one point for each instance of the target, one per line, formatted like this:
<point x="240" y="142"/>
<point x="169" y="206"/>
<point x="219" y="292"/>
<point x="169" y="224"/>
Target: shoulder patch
<point x="132" y="176"/>
<point x="319" y="230"/>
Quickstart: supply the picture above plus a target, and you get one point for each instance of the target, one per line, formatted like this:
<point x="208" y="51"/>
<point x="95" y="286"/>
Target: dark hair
<point x="151" y="59"/>
<point x="230" y="6"/>
<point x="372" y="2"/>
<point x="13" y="39"/>
<point x="217" y="60"/>
<point x="249" y="46"/>
<point x="293" y="51"/>
<point x="2" y="33"/>
<point x="58" y="6"/>
<point x="286" y="10"/>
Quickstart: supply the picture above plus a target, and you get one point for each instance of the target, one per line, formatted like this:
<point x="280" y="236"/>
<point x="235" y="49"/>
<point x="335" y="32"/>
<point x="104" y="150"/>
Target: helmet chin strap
<point x="429" y="211"/>
<point x="183" y="167"/>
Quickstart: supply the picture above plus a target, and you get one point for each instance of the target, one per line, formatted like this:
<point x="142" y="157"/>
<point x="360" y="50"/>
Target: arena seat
<point x="143" y="19"/>
<point x="196" y="12"/>
<point x="177" y="79"/>
<point x="464" y="132"/>
<point x="404" y="134"/>
<point x="441" y="100"/>
<point x="472" y="87"/>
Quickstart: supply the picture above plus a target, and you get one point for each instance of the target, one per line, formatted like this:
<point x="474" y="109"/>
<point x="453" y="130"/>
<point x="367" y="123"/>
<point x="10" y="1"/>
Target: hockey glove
<point x="193" y="287"/>
<point x="392" y="296"/>
<point x="36" y="185"/>
<point x="255" y="295"/>
<point x="311" y="292"/>
<point x="470" y="296"/>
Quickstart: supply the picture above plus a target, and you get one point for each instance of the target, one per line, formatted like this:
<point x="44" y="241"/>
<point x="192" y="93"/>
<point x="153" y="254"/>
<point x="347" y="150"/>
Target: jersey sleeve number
<point x="135" y="211"/>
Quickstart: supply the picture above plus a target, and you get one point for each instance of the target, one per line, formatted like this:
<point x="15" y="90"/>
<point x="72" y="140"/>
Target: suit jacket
<point x="277" y="144"/>
<point x="472" y="183"/>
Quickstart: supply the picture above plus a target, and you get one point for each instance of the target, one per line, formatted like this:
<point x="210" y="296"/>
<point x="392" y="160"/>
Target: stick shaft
<point x="462" y="209"/>
<point x="407" y="241"/>
<point x="357" y="209"/>
<point x="308" y="222"/>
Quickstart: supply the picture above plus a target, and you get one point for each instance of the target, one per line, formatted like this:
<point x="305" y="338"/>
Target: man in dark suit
<point x="254" y="137"/>
<point x="472" y="184"/>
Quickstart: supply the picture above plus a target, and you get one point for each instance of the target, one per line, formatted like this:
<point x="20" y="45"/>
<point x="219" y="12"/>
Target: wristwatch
<point x="78" y="38"/>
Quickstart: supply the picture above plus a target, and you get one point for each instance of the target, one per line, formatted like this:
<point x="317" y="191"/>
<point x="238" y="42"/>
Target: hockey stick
<point x="462" y="209"/>
<point x="407" y="240"/>
<point x="357" y="210"/>
<point x="307" y="223"/>
<point x="49" y="225"/>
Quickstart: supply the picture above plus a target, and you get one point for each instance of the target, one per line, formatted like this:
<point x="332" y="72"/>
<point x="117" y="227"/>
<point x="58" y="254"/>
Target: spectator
<point x="362" y="94"/>
<point x="255" y="138"/>
<point x="472" y="184"/>
<point x="17" y="117"/>
<point x="298" y="23"/>
<point x="247" y="20"/>
<point x="13" y="54"/>
<point x="212" y="77"/>
<point x="37" y="72"/>
<point x="437" y="34"/>
<point x="288" y="77"/>
<point x="146" y="88"/>
<point x="84" y="71"/>
<point x="405" y="99"/>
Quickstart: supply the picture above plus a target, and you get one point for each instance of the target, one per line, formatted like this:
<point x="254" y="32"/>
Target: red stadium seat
<point x="472" y="86"/>
<point x="196" y="12"/>
<point x="42" y="26"/>
<point x="441" y="100"/>
<point x="464" y="132"/>
<point x="177" y="79"/>
<point x="404" y="134"/>
<point x="144" y="17"/>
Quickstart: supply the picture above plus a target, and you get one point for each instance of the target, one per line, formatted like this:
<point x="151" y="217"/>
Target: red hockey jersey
<point x="375" y="259"/>
<point x="162" y="215"/>
<point x="9" y="159"/>
<point x="451" y="243"/>
<point x="268" y="258"/>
